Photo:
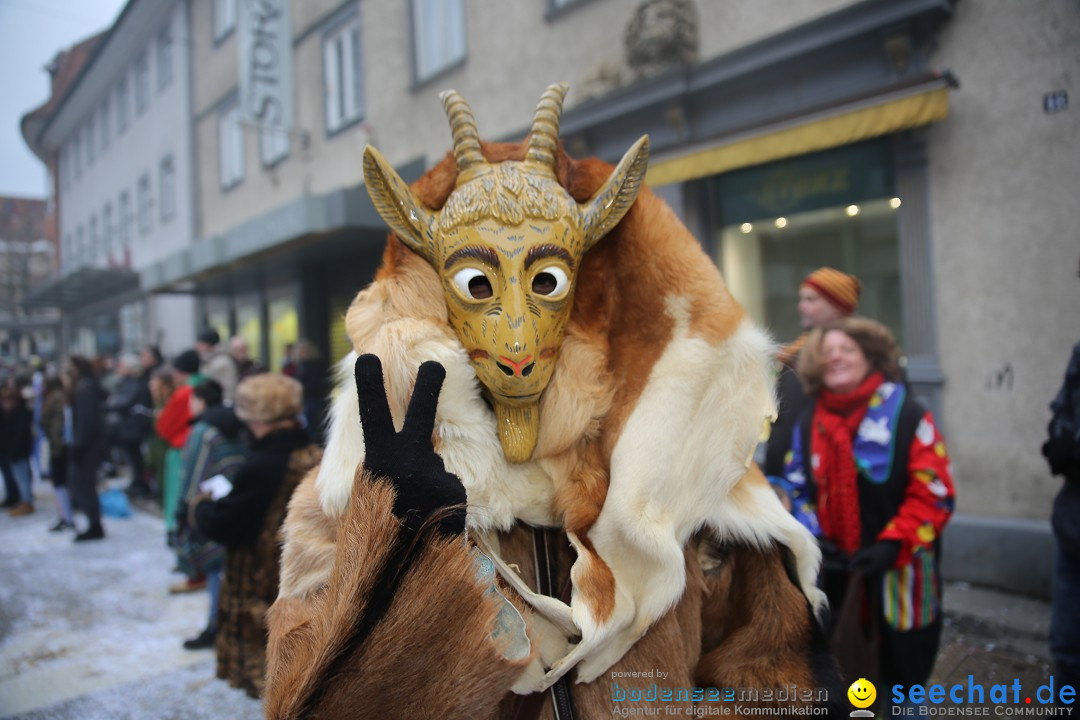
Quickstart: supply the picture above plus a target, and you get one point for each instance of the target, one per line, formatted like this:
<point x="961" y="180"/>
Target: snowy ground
<point x="89" y="630"/>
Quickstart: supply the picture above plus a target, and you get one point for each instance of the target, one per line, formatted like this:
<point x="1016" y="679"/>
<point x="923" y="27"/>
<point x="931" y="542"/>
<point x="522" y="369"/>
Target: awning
<point x="916" y="103"/>
<point x="81" y="288"/>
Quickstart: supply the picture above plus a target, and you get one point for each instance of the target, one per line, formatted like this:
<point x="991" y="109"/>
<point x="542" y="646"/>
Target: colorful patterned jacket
<point x="905" y="494"/>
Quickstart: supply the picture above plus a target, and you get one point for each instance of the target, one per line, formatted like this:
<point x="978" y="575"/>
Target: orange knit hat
<point x="839" y="289"/>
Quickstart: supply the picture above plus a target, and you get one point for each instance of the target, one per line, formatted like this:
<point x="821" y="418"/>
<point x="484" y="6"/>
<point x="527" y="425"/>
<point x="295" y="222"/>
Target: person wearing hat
<point x="247" y="519"/>
<point x="825" y="296"/>
<point x="173" y="426"/>
<point x="217" y="364"/>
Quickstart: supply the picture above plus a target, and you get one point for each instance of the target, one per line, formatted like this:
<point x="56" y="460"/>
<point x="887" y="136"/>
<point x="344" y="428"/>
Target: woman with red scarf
<point x="868" y="473"/>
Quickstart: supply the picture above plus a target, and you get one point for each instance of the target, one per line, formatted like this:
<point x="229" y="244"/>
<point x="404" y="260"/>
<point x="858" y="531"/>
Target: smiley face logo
<point x="862" y="693"/>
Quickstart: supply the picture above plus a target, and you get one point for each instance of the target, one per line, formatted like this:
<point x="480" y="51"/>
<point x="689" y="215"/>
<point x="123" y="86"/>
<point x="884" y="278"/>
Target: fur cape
<point x="661" y="391"/>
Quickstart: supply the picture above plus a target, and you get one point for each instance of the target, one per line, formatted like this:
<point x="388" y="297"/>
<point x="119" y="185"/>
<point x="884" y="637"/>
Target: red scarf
<point x="836" y="420"/>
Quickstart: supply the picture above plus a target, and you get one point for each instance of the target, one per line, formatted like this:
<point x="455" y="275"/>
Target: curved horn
<point x="545" y="128"/>
<point x="463" y="126"/>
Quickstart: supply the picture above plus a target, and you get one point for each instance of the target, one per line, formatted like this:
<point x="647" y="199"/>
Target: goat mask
<point x="507" y="245"/>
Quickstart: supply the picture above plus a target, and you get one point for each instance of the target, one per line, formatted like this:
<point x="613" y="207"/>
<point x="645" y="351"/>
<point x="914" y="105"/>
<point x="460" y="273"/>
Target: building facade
<point x="924" y="145"/>
<point x="120" y="138"/>
<point x="27" y="257"/>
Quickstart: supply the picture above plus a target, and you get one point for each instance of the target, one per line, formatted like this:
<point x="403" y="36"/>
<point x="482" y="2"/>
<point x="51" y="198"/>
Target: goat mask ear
<point x="607" y="207"/>
<point x="397" y="205"/>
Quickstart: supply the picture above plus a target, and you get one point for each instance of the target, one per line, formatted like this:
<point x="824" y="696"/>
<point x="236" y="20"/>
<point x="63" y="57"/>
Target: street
<point x="90" y="631"/>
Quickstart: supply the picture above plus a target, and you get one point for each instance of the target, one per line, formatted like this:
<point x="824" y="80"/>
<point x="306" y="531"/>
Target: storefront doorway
<point x="776" y="223"/>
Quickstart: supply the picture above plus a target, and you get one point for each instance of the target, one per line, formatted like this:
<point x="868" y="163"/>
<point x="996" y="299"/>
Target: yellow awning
<point x="849" y="125"/>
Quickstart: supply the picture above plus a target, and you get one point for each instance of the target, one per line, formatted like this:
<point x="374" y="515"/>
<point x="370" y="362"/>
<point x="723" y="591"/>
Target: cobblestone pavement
<point x="89" y="631"/>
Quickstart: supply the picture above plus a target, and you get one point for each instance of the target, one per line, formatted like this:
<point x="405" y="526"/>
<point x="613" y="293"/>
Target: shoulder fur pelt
<point x="658" y="399"/>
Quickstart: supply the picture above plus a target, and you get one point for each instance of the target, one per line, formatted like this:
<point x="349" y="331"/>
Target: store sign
<point x="265" y="42"/>
<point x="830" y="178"/>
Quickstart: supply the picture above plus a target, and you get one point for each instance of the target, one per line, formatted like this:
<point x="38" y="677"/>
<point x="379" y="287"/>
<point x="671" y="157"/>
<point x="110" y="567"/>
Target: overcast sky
<point x="31" y="33"/>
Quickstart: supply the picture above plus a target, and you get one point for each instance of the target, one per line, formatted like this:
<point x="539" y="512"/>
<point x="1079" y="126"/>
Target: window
<point x="90" y="140"/>
<point x="164" y="58"/>
<point x="780" y="221"/>
<point x="65" y="166"/>
<point x="224" y="18"/>
<point x="93" y="236"/>
<point x="66" y="259"/>
<point x="230" y="148"/>
<point x="123" y="222"/>
<point x="142" y="82"/>
<point x="107" y="234"/>
<point x="167" y="189"/>
<point x="144" y="204"/>
<point x="342" y="72"/>
<point x="556" y="6"/>
<point x="121" y="105"/>
<point x="438" y="36"/>
<point x="105" y="123"/>
<point x="80" y="248"/>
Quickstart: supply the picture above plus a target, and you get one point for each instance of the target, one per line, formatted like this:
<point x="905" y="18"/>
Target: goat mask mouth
<point x="507" y="246"/>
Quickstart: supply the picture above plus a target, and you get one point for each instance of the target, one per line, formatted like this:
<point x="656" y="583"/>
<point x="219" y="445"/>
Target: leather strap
<point x="529" y="707"/>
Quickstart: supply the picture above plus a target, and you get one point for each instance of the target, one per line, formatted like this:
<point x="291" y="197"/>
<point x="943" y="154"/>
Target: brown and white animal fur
<point x="646" y="428"/>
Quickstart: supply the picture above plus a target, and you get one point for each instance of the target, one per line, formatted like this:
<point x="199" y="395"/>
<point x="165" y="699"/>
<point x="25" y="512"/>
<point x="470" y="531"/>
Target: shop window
<point x="284" y="327"/>
<point x="217" y="315"/>
<point x="438" y="32"/>
<point x="779" y="222"/>
<point x="249" y="324"/>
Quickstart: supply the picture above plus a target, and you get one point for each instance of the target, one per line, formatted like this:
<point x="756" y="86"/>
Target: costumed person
<point x="1062" y="453"/>
<point x="247" y="521"/>
<point x="214" y="447"/>
<point x="603" y="396"/>
<point x="825" y="296"/>
<point x="869" y="474"/>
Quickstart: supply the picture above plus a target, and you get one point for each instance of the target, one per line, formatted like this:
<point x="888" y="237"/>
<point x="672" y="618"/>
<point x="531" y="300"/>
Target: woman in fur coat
<point x="247" y="521"/>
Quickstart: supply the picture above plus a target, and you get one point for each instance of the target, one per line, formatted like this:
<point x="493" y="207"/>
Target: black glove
<point x="876" y="559"/>
<point x="833" y="559"/>
<point x="407" y="459"/>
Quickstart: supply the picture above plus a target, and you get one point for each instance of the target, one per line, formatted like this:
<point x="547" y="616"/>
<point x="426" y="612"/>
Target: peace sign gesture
<point x="407" y="459"/>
